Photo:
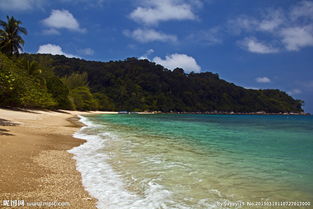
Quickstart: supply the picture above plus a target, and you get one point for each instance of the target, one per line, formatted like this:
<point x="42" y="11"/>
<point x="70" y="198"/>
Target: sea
<point x="197" y="161"/>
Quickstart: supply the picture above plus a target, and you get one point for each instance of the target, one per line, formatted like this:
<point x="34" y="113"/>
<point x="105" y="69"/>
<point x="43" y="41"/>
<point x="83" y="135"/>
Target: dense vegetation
<point x="57" y="82"/>
<point x="31" y="84"/>
<point x="138" y="85"/>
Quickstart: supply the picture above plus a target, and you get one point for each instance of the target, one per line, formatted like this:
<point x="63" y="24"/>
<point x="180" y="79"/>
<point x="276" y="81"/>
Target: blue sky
<point x="255" y="44"/>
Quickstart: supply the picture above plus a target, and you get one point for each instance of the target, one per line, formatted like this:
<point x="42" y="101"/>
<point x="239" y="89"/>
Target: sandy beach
<point x="35" y="165"/>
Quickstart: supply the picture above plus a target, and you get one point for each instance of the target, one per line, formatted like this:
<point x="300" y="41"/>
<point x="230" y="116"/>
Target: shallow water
<point x="196" y="161"/>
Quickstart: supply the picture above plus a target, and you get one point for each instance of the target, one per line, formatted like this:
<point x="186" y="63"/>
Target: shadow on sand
<point x="4" y="132"/>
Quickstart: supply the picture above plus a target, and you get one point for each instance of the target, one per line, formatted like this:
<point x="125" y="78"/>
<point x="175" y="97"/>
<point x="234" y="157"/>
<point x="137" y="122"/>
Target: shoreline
<point x="240" y="113"/>
<point x="35" y="163"/>
<point x="216" y="113"/>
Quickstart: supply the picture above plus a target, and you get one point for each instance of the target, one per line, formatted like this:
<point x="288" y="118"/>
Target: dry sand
<point x="34" y="163"/>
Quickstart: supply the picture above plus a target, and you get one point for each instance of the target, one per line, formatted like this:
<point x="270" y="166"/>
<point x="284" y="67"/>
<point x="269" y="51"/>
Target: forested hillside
<point x="140" y="85"/>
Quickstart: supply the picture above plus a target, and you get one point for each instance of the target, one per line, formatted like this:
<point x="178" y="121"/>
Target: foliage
<point x="83" y="99"/>
<point x="33" y="69"/>
<point x="28" y="84"/>
<point x="10" y="40"/>
<point x="139" y="85"/>
<point x="7" y="82"/>
<point x="17" y="88"/>
<point x="80" y="95"/>
<point x="59" y="92"/>
<point x="75" y="80"/>
<point x="104" y="102"/>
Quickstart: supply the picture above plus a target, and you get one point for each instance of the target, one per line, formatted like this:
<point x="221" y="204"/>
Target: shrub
<point x="17" y="88"/>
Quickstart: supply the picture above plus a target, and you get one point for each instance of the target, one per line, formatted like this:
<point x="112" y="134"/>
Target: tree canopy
<point x="141" y="85"/>
<point x="10" y="36"/>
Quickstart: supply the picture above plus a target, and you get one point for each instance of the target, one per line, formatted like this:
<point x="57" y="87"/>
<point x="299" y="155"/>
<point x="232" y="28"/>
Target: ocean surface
<point x="196" y="161"/>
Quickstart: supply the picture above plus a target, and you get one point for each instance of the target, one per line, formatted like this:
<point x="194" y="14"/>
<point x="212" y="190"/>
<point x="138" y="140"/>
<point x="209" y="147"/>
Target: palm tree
<point x="33" y="69"/>
<point x="10" y="40"/>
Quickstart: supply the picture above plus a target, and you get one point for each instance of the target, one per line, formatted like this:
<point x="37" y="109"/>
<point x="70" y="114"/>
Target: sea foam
<point x="103" y="183"/>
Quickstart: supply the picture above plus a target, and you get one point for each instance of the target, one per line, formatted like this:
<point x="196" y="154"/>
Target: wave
<point x="106" y="185"/>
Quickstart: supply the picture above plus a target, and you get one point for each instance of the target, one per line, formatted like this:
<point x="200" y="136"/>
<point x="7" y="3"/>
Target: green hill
<point x="141" y="85"/>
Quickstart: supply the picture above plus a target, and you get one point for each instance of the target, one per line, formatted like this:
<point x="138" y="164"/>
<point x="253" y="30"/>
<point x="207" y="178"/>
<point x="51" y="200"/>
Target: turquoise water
<point x="201" y="161"/>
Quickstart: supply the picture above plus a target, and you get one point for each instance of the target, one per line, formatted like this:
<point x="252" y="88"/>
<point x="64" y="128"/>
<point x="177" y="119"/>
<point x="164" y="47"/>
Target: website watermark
<point x="259" y="204"/>
<point x="23" y="203"/>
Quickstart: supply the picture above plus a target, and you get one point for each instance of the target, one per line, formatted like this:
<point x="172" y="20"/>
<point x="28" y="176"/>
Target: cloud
<point x="51" y="31"/>
<point x="154" y="12"/>
<point x="302" y="9"/>
<point x="23" y="5"/>
<point x="263" y="80"/>
<point x="271" y="20"/>
<point x="150" y="35"/>
<point x="86" y="51"/>
<point x="53" y="49"/>
<point x="252" y="88"/>
<point x="291" y="29"/>
<point x="19" y="5"/>
<point x="242" y="24"/>
<point x="183" y="61"/>
<point x="294" y="92"/>
<point x="295" y="38"/>
<point x="146" y="54"/>
<point x="253" y="45"/>
<point x="62" y="19"/>
<point x="209" y="37"/>
<point x="268" y="21"/>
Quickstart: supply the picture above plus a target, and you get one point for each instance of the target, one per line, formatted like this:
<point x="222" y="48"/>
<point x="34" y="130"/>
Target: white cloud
<point x="183" y="61"/>
<point x="150" y="51"/>
<point x="19" y="5"/>
<point x="294" y="92"/>
<point x="242" y="23"/>
<point x="86" y="51"/>
<point x="53" y="49"/>
<point x="296" y="38"/>
<point x="23" y="5"/>
<point x="149" y="35"/>
<point x="253" y="45"/>
<point x="290" y="29"/>
<point x="302" y="9"/>
<point x="51" y="31"/>
<point x="62" y="19"/>
<point x="146" y="54"/>
<point x="269" y="21"/>
<point x="253" y="88"/>
<point x="154" y="12"/>
<point x="263" y="80"/>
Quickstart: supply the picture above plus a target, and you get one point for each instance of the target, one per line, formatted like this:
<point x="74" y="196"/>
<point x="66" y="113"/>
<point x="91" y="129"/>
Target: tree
<point x="10" y="40"/>
<point x="19" y="89"/>
<point x="31" y="67"/>
<point x="79" y="92"/>
<point x="75" y="80"/>
<point x="138" y="85"/>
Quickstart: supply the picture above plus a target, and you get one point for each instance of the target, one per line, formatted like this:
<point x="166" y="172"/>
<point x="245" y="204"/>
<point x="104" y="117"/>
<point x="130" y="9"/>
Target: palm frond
<point x="10" y="40"/>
